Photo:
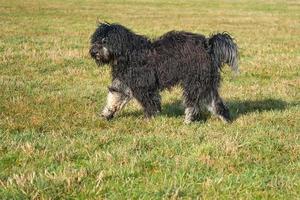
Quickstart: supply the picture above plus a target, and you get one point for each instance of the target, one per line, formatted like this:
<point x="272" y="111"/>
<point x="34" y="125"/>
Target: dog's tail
<point x="223" y="50"/>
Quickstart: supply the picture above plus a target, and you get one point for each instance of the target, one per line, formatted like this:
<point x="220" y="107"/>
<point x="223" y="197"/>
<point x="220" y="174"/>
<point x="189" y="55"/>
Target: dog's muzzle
<point x="100" y="54"/>
<point x="93" y="52"/>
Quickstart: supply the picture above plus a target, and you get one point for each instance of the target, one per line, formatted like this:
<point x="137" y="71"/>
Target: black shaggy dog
<point x="142" y="68"/>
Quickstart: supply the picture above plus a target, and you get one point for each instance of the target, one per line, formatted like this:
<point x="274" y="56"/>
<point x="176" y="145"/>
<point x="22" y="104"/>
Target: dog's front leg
<point x="118" y="96"/>
<point x="190" y="114"/>
<point x="150" y="101"/>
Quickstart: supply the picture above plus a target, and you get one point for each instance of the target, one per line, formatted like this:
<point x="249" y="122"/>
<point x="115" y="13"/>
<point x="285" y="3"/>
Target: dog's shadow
<point x="237" y="108"/>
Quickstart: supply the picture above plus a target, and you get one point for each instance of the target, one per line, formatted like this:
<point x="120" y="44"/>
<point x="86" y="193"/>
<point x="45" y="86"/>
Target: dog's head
<point x="112" y="40"/>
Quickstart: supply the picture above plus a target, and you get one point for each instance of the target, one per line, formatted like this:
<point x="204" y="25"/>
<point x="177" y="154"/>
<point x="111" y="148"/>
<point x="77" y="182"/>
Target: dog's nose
<point x="93" y="52"/>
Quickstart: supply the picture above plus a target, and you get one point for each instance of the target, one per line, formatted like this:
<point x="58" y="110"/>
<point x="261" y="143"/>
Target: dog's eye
<point x="103" y="40"/>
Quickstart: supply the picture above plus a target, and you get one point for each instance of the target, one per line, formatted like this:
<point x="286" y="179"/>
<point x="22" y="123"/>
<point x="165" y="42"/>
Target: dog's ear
<point x="117" y="43"/>
<point x="106" y="23"/>
<point x="102" y="22"/>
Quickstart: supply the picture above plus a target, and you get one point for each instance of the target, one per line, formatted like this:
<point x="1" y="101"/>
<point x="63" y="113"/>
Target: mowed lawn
<point x="53" y="145"/>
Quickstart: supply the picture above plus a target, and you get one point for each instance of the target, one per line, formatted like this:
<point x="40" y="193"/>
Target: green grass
<point x="54" y="146"/>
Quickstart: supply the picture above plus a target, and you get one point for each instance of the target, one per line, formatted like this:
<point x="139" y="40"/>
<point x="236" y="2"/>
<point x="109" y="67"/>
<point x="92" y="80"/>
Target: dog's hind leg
<point x="150" y="101"/>
<point x="191" y="114"/>
<point x="217" y="107"/>
<point x="118" y="96"/>
<point x="191" y="103"/>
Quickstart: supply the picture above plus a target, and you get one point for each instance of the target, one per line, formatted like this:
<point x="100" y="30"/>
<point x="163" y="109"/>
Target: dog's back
<point x="178" y="55"/>
<point x="178" y="40"/>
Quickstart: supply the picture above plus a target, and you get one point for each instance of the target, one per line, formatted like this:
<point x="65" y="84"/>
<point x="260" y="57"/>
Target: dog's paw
<point x="107" y="114"/>
<point x="226" y="120"/>
<point x="187" y="121"/>
<point x="152" y="114"/>
<point x="107" y="117"/>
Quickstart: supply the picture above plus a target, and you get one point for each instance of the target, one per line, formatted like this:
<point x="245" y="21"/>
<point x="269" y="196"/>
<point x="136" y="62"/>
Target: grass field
<point x="54" y="146"/>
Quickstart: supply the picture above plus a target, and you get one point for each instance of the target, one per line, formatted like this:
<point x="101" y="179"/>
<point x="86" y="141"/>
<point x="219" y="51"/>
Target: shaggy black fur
<point x="141" y="68"/>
